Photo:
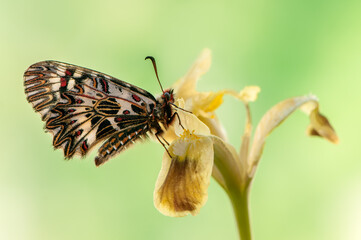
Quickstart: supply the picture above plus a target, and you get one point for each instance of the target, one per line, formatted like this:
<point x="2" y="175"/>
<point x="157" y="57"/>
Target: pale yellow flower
<point x="201" y="104"/>
<point x="199" y="147"/>
<point x="183" y="180"/>
<point x="204" y="104"/>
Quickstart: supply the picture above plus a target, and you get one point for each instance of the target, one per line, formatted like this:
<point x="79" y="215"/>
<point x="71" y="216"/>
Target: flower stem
<point x="239" y="201"/>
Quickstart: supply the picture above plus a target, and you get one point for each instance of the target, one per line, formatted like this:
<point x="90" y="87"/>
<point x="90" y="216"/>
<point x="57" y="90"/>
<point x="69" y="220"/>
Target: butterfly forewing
<point x="82" y="107"/>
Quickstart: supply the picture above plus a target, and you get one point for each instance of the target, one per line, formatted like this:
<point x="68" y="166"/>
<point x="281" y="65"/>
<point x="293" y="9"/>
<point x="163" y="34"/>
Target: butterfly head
<point x="163" y="112"/>
<point x="168" y="96"/>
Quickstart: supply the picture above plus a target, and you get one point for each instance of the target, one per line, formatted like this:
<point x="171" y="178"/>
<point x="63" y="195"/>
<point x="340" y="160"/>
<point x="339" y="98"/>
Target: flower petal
<point x="185" y="87"/>
<point x="191" y="122"/>
<point x="319" y="124"/>
<point x="215" y="126"/>
<point x="187" y="120"/>
<point x="183" y="180"/>
<point x="246" y="139"/>
<point x="226" y="159"/>
<point x="279" y="113"/>
<point x="249" y="93"/>
<point x="205" y="103"/>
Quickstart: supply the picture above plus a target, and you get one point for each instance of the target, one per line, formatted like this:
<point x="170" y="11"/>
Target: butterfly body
<point x="82" y="107"/>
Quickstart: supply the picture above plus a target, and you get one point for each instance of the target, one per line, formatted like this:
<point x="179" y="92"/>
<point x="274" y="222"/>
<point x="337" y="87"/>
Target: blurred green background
<point x="305" y="188"/>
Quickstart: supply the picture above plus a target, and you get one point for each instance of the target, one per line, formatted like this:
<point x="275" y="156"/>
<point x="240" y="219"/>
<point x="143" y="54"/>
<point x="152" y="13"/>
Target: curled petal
<point x="279" y="113"/>
<point x="183" y="180"/>
<point x="319" y="124"/>
<point x="249" y="93"/>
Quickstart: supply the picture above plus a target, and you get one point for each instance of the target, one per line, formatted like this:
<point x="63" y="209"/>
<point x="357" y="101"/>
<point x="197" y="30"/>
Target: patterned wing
<point x="82" y="107"/>
<point x="118" y="142"/>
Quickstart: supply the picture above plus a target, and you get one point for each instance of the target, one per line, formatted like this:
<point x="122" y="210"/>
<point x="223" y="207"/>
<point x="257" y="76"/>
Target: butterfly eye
<point x="167" y="95"/>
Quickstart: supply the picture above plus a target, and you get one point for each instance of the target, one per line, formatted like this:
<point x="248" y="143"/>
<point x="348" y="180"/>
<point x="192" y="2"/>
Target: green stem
<point x="239" y="201"/>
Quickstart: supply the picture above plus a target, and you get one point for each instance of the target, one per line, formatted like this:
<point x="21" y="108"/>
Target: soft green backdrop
<point x="305" y="188"/>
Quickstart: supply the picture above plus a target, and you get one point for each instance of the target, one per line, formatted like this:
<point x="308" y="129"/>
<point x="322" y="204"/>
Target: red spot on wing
<point x="136" y="98"/>
<point x="126" y="112"/>
<point x="71" y="110"/>
<point x="85" y="145"/>
<point x="79" y="101"/>
<point x="118" y="119"/>
<point x="105" y="85"/>
<point x="78" y="133"/>
<point x="63" y="82"/>
<point x="67" y="72"/>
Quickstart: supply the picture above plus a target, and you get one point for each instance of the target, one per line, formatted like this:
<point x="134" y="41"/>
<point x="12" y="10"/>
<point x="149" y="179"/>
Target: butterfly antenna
<point x="181" y="108"/>
<point x="155" y="69"/>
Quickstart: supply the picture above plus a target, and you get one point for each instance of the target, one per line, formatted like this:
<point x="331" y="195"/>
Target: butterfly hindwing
<point x="119" y="141"/>
<point x="82" y="107"/>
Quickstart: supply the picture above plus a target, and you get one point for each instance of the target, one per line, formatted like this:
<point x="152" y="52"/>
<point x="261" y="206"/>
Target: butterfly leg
<point x="157" y="134"/>
<point x="172" y="118"/>
<point x="164" y="140"/>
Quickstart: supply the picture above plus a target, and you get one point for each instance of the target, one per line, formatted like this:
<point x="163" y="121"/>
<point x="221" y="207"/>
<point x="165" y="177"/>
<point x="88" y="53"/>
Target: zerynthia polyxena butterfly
<point x="83" y="107"/>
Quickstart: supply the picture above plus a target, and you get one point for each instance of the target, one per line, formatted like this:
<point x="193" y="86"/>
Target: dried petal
<point x="320" y="126"/>
<point x="279" y="113"/>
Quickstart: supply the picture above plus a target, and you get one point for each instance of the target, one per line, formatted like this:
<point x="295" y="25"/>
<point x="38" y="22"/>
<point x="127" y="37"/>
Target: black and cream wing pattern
<point x="83" y="107"/>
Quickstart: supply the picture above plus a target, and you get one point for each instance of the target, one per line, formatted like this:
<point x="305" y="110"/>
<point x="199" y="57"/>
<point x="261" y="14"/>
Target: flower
<point x="201" y="104"/>
<point x="183" y="180"/>
<point x="199" y="147"/>
<point x="204" y="104"/>
<point x="187" y="166"/>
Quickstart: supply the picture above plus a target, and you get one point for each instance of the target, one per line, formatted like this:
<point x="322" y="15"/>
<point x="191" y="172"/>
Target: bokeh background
<point x="305" y="188"/>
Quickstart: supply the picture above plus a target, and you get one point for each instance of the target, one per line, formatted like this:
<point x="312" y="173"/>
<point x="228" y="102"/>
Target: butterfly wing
<point x="82" y="107"/>
<point x="119" y="141"/>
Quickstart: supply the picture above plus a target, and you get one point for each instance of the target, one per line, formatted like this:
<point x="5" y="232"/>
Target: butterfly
<point x="82" y="107"/>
